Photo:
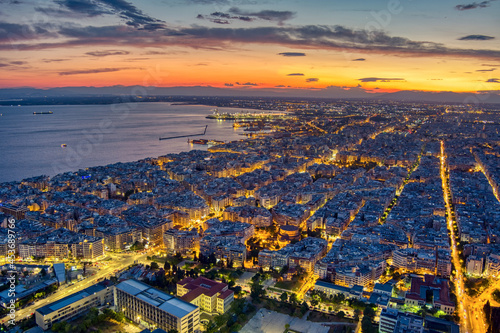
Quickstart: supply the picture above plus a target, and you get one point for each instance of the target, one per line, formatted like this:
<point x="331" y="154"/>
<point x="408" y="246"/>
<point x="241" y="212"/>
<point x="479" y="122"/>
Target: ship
<point x="64" y="145"/>
<point x="43" y="112"/>
<point x="205" y="142"/>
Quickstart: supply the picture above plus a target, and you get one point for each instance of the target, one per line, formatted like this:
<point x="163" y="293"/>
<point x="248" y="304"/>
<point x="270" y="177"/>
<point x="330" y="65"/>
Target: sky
<point x="343" y="45"/>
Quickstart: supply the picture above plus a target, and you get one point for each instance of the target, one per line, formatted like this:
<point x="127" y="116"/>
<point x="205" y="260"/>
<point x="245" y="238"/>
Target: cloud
<point x="236" y="14"/>
<point x="474" y="5"/>
<point x="490" y="65"/>
<point x="295" y="74"/>
<point x="209" y="2"/>
<point x="319" y="37"/>
<point x="486" y="70"/>
<point x="91" y="71"/>
<point x="280" y="86"/>
<point x="359" y="59"/>
<point x="292" y="54"/>
<point x="312" y="79"/>
<point x="379" y="79"/>
<point x="247" y="84"/>
<point x="268" y="15"/>
<point x="54" y="60"/>
<point x="12" y="63"/>
<point x="229" y="84"/>
<point x="13" y="32"/>
<point x="107" y="53"/>
<point x="493" y="80"/>
<point x="476" y="37"/>
<point x="155" y="52"/>
<point x="124" y="9"/>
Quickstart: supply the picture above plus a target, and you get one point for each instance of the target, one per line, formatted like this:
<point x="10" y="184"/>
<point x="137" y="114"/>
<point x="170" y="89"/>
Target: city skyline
<point x="328" y="48"/>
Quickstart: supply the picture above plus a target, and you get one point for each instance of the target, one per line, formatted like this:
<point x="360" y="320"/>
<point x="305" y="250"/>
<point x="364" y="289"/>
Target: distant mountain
<point x="329" y="92"/>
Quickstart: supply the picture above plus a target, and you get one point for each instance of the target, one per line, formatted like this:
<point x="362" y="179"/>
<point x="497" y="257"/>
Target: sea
<point x="75" y="137"/>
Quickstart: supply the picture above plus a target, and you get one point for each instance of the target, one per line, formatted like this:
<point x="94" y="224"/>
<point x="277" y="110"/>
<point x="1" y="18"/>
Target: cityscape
<point x="383" y="216"/>
<point x="263" y="166"/>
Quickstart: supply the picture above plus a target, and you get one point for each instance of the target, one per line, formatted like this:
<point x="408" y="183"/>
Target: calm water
<point x="30" y="145"/>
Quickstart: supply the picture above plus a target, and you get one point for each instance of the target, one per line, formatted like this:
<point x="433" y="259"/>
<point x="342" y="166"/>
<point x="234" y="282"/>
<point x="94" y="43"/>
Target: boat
<point x="43" y="112"/>
<point x="64" y="145"/>
<point x="205" y="142"/>
<point x="198" y="141"/>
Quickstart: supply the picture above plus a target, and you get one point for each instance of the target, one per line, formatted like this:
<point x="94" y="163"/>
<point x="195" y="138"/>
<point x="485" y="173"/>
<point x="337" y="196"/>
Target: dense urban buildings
<point x="378" y="202"/>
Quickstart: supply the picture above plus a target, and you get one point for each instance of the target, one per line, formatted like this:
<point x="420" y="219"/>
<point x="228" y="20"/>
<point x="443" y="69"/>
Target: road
<point x="462" y="309"/>
<point x="476" y="305"/>
<point x="118" y="262"/>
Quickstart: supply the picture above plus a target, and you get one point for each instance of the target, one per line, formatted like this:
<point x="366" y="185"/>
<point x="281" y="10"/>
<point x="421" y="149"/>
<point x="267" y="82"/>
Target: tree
<point x="293" y="298"/>
<point x="496" y="295"/>
<point x="341" y="314"/>
<point x="137" y="246"/>
<point x="257" y="290"/>
<point x="284" y="297"/>
<point x="304" y="307"/>
<point x="154" y="265"/>
<point x="487" y="312"/>
<point x="366" y="324"/>
<point x="166" y="267"/>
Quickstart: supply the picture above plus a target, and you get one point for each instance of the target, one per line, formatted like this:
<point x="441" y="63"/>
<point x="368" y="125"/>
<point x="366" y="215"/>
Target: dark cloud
<point x="59" y="12"/>
<point x="87" y="7"/>
<point x="311" y="37"/>
<point x="229" y="84"/>
<point x="486" y="70"/>
<point x="379" y="79"/>
<point x="476" y="37"/>
<point x="13" y="32"/>
<point x="220" y="21"/>
<point x="312" y="79"/>
<point x="226" y="18"/>
<point x="493" y="80"/>
<point x="107" y="53"/>
<point x="247" y="84"/>
<point x="295" y="74"/>
<point x="292" y="54"/>
<point x="474" y="5"/>
<point x="91" y="71"/>
<point x="124" y="9"/>
<point x="359" y="59"/>
<point x="490" y="65"/>
<point x="280" y="86"/>
<point x="268" y="15"/>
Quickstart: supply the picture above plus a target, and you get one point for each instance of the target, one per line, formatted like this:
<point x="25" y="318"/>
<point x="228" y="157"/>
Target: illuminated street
<point x="118" y="262"/>
<point x="459" y="277"/>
